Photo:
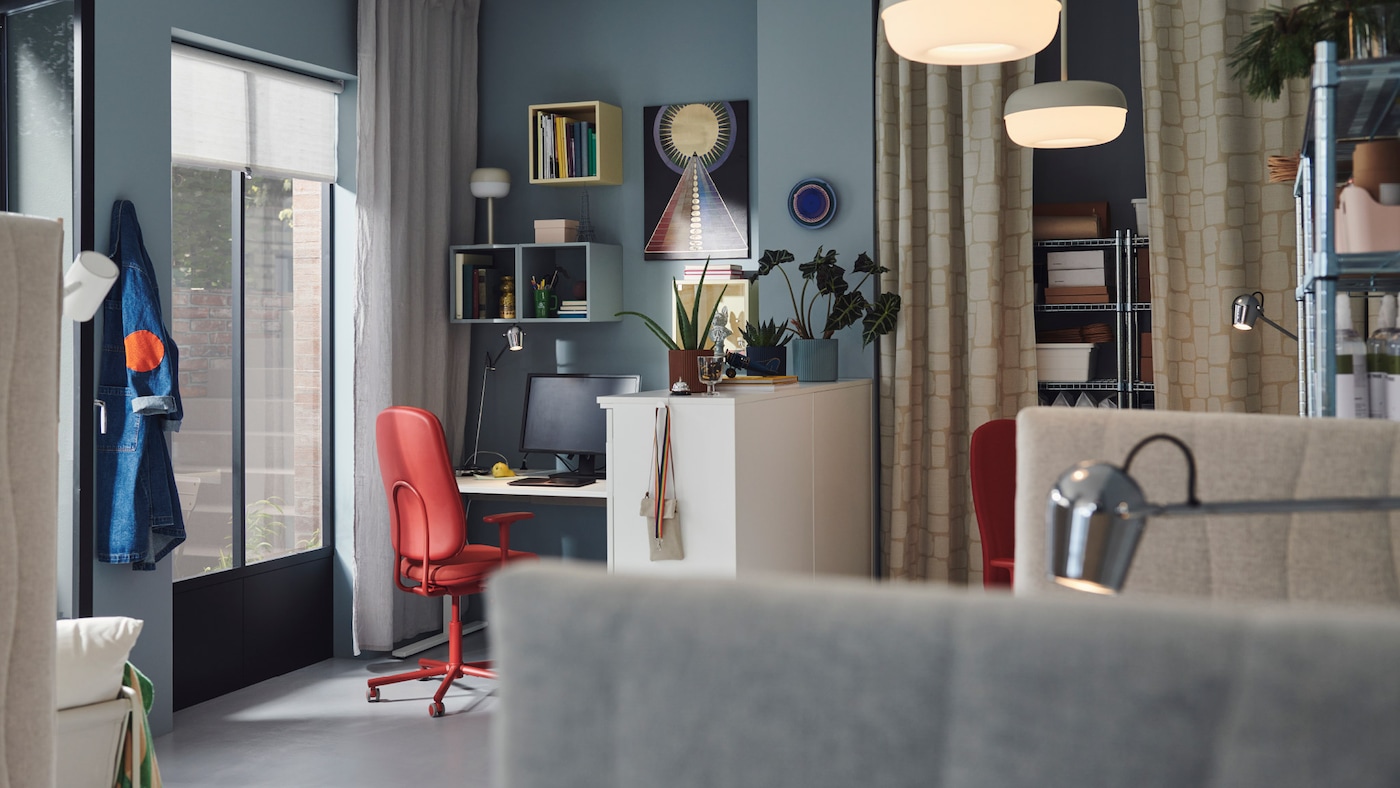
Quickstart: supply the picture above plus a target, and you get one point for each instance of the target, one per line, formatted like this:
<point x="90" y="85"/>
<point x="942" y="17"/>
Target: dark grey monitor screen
<point x="562" y="415"/>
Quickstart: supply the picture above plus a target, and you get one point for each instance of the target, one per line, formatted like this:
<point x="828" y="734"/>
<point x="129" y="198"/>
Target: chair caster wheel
<point x="372" y="695"/>
<point x="435" y="710"/>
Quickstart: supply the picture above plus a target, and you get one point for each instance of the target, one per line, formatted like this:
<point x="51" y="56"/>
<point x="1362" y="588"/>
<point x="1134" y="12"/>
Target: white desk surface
<point x="473" y="485"/>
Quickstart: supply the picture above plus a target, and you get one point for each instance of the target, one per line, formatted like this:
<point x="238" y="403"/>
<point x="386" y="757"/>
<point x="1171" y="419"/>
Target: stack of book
<point x="1075" y="277"/>
<point x="573" y="309"/>
<point x="565" y="147"/>
<point x="714" y="272"/>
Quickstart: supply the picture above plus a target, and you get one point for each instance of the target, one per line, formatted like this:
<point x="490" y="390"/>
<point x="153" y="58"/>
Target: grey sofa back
<point x="1322" y="557"/>
<point x="31" y="267"/>
<point x="613" y="682"/>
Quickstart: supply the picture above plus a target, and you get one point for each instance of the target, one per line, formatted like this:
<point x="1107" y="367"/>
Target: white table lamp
<point x="489" y="183"/>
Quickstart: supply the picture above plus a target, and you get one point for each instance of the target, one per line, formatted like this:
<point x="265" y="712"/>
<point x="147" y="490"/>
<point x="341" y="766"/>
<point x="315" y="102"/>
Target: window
<point x="254" y="152"/>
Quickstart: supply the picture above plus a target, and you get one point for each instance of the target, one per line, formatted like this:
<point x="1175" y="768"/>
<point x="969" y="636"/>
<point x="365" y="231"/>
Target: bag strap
<point x="663" y="472"/>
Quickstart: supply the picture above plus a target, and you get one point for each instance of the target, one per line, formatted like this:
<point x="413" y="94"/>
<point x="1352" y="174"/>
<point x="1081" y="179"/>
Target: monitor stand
<point x="587" y="469"/>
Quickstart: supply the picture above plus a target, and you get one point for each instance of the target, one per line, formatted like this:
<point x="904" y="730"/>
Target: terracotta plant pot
<point x="681" y="365"/>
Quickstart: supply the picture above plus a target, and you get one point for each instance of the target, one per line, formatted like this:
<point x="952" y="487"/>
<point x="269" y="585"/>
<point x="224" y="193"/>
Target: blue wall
<point x="132" y="161"/>
<point x="805" y="67"/>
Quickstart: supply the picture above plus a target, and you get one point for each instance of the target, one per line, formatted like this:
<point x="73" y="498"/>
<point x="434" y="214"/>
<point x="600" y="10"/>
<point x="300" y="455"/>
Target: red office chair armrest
<point x="502" y="522"/>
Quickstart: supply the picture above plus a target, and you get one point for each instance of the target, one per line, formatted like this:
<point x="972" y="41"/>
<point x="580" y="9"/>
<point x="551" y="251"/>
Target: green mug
<point x="546" y="303"/>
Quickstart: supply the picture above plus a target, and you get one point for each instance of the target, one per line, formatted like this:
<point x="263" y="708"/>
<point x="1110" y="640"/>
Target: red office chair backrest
<point x="426" y="522"/>
<point x="993" y="459"/>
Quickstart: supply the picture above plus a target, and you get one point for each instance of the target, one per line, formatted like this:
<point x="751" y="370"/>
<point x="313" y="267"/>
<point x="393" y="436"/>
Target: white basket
<point x="1064" y="362"/>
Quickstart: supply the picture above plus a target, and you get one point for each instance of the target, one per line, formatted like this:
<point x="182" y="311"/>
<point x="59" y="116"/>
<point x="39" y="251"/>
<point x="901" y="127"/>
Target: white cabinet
<point x="774" y="481"/>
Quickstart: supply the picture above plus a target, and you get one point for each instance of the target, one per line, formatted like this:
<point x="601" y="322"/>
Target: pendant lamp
<point x="1071" y="113"/>
<point x="968" y="32"/>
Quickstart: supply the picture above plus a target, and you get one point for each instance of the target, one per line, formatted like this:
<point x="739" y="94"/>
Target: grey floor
<point x="313" y="727"/>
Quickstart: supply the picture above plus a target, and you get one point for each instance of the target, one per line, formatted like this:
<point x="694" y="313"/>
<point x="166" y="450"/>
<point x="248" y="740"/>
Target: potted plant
<point x="831" y="304"/>
<point x="766" y="347"/>
<point x="1279" y="45"/>
<point x="691" y="335"/>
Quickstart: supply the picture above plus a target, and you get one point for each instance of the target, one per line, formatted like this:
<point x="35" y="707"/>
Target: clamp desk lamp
<point x="515" y="340"/>
<point x="1247" y="308"/>
<point x="1097" y="512"/>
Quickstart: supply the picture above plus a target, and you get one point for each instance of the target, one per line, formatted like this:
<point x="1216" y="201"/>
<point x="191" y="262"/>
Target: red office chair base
<point x="451" y="670"/>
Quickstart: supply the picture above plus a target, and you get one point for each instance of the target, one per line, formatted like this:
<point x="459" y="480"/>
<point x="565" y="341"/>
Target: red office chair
<point x="429" y="533"/>
<point x="993" y="459"/>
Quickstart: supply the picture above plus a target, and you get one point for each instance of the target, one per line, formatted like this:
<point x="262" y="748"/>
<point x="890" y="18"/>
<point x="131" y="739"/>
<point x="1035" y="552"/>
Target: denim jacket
<point x="138" y="507"/>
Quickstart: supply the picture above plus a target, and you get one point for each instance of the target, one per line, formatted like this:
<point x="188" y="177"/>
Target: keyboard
<point x="550" y="481"/>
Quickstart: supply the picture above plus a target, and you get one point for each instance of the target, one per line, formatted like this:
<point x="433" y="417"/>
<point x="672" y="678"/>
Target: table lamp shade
<point x="86" y="283"/>
<point x="490" y="182"/>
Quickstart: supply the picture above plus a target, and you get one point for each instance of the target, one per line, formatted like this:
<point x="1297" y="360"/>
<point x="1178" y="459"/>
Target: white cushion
<point x="91" y="655"/>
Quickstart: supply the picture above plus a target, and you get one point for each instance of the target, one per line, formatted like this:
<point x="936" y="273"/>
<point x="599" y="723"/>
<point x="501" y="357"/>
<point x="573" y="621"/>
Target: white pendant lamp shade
<point x="1067" y="114"/>
<point x="969" y="32"/>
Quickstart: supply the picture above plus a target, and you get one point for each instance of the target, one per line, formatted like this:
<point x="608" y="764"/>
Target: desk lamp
<point x="86" y="283"/>
<point x="1247" y="308"/>
<point x="1097" y="512"/>
<point x="515" y="340"/>
<point x="489" y="183"/>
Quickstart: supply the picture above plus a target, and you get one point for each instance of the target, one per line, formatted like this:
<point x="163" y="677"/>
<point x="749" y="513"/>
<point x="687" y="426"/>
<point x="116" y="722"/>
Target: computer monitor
<point x="562" y="416"/>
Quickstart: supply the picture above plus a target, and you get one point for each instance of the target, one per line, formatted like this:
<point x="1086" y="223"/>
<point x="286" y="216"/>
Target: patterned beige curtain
<point x="954" y="228"/>
<point x="1218" y="227"/>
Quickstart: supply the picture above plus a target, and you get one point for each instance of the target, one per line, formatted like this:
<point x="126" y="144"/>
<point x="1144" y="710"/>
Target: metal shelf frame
<point x="1128" y="312"/>
<point x="1351" y="102"/>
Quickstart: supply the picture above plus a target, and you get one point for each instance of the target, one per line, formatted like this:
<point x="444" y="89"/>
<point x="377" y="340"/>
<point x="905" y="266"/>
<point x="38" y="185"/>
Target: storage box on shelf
<point x="575" y="143"/>
<point x="587" y="272"/>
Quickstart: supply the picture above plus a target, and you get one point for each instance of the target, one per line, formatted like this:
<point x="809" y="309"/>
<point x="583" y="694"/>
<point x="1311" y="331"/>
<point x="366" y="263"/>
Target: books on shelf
<point x="469" y="285"/>
<point x="565" y="147"/>
<point x="714" y="272"/>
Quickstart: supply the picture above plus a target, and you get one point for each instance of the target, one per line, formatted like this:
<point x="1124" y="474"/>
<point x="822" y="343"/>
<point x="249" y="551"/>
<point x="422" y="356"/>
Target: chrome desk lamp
<point x="1097" y="512"/>
<point x="1247" y="308"/>
<point x="515" y="340"/>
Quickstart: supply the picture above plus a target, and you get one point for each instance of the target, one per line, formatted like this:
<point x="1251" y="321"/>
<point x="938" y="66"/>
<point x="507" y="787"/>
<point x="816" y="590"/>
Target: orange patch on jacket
<point x="144" y="351"/>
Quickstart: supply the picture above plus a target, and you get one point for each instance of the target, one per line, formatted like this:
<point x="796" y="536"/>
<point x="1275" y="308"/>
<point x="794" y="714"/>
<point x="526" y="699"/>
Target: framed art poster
<point x="696" y="181"/>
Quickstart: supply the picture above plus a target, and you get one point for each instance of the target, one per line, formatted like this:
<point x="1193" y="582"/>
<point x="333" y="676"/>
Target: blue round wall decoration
<point x="812" y="203"/>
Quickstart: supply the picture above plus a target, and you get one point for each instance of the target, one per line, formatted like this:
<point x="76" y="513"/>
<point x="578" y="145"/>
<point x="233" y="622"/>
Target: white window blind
<point x="234" y="114"/>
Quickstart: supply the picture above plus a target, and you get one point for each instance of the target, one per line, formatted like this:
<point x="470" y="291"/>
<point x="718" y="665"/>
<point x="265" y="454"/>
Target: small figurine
<point x="680" y="388"/>
<point x="719" y="328"/>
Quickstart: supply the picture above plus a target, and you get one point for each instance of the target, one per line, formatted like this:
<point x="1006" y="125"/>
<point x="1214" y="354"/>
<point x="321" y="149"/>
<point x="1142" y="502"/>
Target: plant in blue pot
<point x="766" y="347"/>
<point x="827" y="300"/>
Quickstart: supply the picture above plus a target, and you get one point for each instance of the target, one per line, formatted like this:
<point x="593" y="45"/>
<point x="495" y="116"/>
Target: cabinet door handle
<point x="101" y="415"/>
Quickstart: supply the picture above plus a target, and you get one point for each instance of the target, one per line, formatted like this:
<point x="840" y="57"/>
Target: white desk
<point x="595" y="494"/>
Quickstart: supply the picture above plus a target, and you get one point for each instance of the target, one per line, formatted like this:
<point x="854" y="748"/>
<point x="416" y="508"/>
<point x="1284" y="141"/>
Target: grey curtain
<point x="417" y="148"/>
<point x="30" y="264"/>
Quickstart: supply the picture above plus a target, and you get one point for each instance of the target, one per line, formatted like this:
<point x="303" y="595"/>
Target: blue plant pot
<point x="761" y="360"/>
<point x="814" y="360"/>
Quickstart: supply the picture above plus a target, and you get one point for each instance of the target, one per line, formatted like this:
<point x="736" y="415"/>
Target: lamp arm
<point x="1263" y="507"/>
<point x="1286" y="332"/>
<point x="1191" y="499"/>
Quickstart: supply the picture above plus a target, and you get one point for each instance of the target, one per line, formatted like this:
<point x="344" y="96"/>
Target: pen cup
<point x="546" y="303"/>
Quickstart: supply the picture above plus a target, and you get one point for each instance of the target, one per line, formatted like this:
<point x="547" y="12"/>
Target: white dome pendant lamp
<point x="1071" y="113"/>
<point x="968" y="32"/>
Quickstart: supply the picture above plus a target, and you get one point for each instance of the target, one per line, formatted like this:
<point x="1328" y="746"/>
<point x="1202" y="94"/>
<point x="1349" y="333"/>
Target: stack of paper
<point x="574" y="309"/>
